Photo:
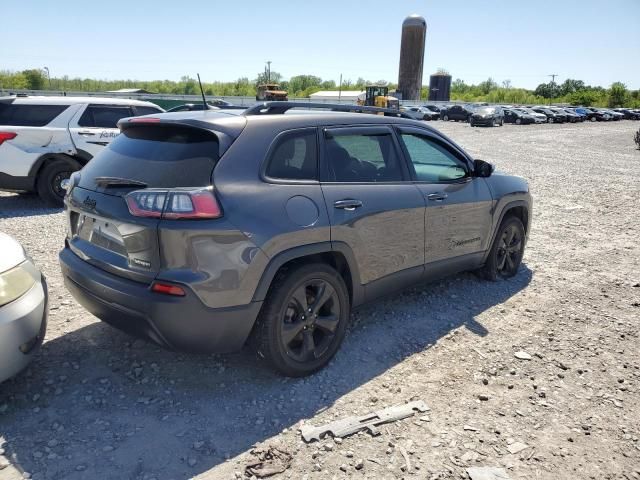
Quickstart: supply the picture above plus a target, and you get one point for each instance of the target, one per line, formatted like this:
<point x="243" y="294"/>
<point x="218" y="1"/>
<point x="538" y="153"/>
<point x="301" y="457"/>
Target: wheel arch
<point x="81" y="158"/>
<point x="518" y="208"/>
<point x="336" y="254"/>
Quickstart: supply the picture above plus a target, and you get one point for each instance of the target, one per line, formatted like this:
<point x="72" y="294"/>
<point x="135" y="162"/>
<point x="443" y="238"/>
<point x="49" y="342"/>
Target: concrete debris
<point x="517" y="447"/>
<point x="350" y="425"/>
<point x="487" y="473"/>
<point x="522" y="355"/>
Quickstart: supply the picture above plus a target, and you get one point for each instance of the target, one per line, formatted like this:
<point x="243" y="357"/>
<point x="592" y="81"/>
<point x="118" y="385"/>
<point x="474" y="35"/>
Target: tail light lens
<point x="177" y="204"/>
<point x="167" y="289"/>
<point x="4" y="136"/>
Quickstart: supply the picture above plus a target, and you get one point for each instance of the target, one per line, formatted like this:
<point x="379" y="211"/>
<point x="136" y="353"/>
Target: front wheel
<point x="304" y="319"/>
<point x="507" y="250"/>
<point x="445" y="118"/>
<point x="494" y="123"/>
<point x="518" y="121"/>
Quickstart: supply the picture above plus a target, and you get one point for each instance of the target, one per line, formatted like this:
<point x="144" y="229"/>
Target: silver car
<point x="23" y="308"/>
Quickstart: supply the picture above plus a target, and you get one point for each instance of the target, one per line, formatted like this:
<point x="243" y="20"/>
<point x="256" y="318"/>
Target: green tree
<point x="488" y="85"/>
<point x="570" y="86"/>
<point x="35" y="79"/>
<point x="617" y="94"/>
<point x="547" y="90"/>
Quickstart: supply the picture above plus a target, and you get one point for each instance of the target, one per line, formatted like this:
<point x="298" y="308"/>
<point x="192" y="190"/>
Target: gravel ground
<point x="97" y="404"/>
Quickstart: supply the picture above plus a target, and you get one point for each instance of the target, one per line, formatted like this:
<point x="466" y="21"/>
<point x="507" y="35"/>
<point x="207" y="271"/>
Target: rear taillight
<point x="4" y="136"/>
<point x="167" y="289"/>
<point x="199" y="203"/>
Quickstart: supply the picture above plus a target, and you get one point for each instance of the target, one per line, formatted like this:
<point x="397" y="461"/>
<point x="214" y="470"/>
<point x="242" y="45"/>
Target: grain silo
<point x="414" y="32"/>
<point x="440" y="87"/>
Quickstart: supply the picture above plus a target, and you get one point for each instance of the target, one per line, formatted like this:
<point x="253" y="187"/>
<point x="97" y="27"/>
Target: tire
<point x="501" y="122"/>
<point x="445" y="118"/>
<point x="518" y="121"/>
<point x="288" y="339"/>
<point x="470" y="123"/>
<point x="494" y="123"/>
<point x="594" y="119"/>
<point x="549" y="120"/>
<point x="506" y="252"/>
<point x="50" y="177"/>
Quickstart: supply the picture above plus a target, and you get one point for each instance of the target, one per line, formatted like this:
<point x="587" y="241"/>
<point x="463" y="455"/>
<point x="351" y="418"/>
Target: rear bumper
<point x="23" y="324"/>
<point x="177" y="323"/>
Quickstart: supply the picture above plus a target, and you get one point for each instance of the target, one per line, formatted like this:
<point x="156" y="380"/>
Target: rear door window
<point x="22" y="115"/>
<point x="104" y="116"/>
<point x="159" y="156"/>
<point x="295" y="156"/>
<point x="361" y="157"/>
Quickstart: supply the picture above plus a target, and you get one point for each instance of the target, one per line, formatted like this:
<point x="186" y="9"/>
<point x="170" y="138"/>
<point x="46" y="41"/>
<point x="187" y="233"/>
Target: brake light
<point x="144" y="120"/>
<point x="4" y="136"/>
<point x="167" y="289"/>
<point x="199" y="203"/>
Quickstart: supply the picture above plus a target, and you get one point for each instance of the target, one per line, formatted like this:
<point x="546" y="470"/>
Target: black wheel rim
<point x="56" y="183"/>
<point x="310" y="321"/>
<point x="509" y="251"/>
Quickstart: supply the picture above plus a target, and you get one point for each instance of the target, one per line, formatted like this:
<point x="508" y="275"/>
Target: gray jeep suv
<point x="200" y="230"/>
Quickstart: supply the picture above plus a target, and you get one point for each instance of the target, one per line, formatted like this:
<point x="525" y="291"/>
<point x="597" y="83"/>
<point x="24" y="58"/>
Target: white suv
<point x="45" y="139"/>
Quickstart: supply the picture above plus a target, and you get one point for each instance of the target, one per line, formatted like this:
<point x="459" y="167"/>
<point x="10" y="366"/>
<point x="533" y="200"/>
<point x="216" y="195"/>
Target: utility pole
<point x="340" y="89"/>
<point x="48" y="76"/>
<point x="268" y="71"/>
<point x="553" y="77"/>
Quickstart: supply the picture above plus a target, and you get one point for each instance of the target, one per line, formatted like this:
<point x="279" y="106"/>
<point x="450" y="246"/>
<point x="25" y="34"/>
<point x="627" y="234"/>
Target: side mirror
<point x="482" y="169"/>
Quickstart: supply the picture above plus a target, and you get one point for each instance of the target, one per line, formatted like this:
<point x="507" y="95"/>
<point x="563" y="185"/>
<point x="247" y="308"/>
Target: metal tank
<point x="439" y="87"/>
<point x="414" y="32"/>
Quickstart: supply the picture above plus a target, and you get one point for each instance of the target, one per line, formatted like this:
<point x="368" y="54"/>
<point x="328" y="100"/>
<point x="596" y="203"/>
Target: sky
<point x="522" y="41"/>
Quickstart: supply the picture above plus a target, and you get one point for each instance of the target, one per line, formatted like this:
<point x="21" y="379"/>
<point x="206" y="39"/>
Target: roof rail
<point x="279" y="107"/>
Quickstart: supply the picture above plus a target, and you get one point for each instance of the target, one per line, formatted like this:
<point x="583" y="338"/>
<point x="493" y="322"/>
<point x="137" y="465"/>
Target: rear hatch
<point x="116" y="202"/>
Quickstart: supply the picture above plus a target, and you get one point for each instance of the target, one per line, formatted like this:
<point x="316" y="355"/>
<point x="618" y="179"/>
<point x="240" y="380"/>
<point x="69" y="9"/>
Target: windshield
<point x="485" y="110"/>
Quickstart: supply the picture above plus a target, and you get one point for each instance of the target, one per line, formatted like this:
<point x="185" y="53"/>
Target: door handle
<point x="348" y="204"/>
<point x="86" y="133"/>
<point x="437" y="197"/>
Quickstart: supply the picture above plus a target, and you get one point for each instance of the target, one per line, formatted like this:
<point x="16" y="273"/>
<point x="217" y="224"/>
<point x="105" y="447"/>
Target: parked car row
<point x="497" y="115"/>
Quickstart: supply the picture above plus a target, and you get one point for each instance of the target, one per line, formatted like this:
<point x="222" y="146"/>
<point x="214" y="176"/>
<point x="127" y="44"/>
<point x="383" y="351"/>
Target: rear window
<point x="29" y="115"/>
<point x="160" y="156"/>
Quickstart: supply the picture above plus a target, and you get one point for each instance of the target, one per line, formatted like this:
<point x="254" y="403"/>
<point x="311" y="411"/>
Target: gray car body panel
<point x="398" y="236"/>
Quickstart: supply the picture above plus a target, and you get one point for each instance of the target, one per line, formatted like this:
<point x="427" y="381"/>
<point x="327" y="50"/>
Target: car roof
<point x="232" y="122"/>
<point x="62" y="100"/>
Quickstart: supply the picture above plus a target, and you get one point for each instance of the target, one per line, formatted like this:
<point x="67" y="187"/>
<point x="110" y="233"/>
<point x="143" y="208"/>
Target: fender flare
<point x="302" y="251"/>
<point x="37" y="165"/>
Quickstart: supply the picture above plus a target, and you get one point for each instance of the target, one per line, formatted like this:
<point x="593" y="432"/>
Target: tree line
<point x="574" y="92"/>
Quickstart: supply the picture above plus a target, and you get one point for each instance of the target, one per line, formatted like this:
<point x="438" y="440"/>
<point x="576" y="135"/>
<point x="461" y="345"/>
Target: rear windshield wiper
<point x="118" y="182"/>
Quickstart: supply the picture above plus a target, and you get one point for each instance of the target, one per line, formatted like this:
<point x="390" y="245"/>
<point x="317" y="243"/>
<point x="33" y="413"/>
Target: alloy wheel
<point x="310" y="321"/>
<point x="509" y="251"/>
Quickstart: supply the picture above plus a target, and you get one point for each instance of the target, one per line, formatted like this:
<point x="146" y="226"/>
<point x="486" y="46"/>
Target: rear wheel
<point x="50" y="179"/>
<point x="445" y="118"/>
<point x="494" y="123"/>
<point x="304" y="319"/>
<point x="507" y="250"/>
<point x="518" y="121"/>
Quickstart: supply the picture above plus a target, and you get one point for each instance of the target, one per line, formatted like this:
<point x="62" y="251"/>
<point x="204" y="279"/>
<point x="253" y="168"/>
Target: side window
<point x="103" y="116"/>
<point x="362" y="158"/>
<point x="295" y="157"/>
<point x="431" y="160"/>
<point x="29" y="115"/>
<point x="146" y="110"/>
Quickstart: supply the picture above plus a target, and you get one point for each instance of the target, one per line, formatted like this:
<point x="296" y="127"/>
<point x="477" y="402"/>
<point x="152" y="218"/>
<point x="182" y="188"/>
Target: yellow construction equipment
<point x="378" y="96"/>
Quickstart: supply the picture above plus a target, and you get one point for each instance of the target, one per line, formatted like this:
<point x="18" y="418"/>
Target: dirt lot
<point x="97" y="404"/>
